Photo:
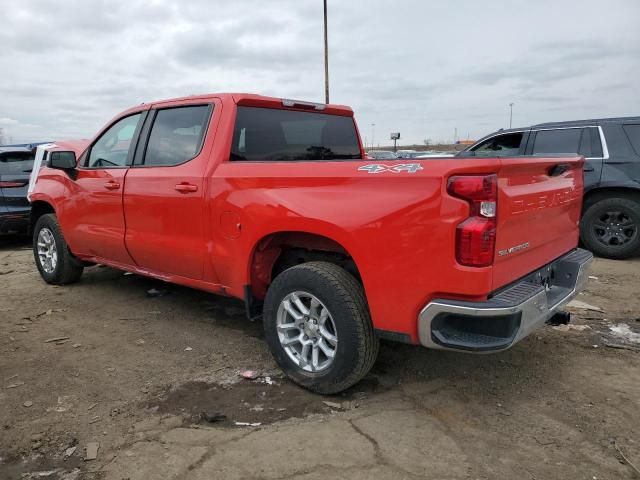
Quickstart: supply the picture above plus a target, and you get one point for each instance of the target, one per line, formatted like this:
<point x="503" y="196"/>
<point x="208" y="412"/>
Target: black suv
<point x="15" y="168"/>
<point x="610" y="225"/>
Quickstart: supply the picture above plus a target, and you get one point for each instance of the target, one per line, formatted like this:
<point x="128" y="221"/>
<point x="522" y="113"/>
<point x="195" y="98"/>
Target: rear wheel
<point x="318" y="327"/>
<point x="55" y="262"/>
<point x="610" y="228"/>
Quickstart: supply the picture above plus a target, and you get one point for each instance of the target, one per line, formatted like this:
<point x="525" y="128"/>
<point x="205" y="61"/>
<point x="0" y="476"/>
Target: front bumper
<point x="508" y="316"/>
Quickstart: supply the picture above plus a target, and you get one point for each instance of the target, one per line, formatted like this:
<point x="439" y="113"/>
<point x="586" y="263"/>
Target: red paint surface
<point x="399" y="228"/>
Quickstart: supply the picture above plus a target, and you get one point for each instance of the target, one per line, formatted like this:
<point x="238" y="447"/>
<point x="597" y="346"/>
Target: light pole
<point x="510" y="114"/>
<point x="326" y="57"/>
<point x="373" y="131"/>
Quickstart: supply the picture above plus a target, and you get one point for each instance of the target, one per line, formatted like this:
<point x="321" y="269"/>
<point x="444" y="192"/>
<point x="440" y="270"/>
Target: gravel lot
<point x="154" y="382"/>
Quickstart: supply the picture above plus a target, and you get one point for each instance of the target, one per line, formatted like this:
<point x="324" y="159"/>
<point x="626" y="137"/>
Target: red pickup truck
<point x="274" y="202"/>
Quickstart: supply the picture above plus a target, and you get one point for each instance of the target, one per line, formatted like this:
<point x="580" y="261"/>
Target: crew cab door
<point x="91" y="215"/>
<point x="164" y="193"/>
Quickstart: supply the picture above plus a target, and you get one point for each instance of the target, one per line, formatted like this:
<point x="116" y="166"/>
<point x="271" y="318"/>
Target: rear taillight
<point x="476" y="236"/>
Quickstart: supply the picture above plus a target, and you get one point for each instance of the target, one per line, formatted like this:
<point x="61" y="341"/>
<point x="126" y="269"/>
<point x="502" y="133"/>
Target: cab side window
<point x="177" y="135"/>
<point x="565" y="140"/>
<point x="112" y="148"/>
<point x="507" y="145"/>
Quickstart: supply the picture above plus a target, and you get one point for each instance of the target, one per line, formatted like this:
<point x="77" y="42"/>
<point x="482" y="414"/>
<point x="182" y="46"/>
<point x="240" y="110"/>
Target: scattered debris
<point x="247" y="424"/>
<point x="571" y="326"/>
<point x="213" y="417"/>
<point x="43" y="474"/>
<point x="579" y="305"/>
<point x="593" y="277"/>
<point x="56" y="339"/>
<point x="156" y="292"/>
<point x="16" y="384"/>
<point x="268" y="381"/>
<point x="334" y="405"/>
<point x="70" y="451"/>
<point x="126" y="274"/>
<point x="188" y="349"/>
<point x="27" y="404"/>
<point x="249" y="374"/>
<point x="76" y="345"/>
<point x="622" y="330"/>
<point x="92" y="406"/>
<point x="140" y="342"/>
<point x="62" y="342"/>
<point x="91" y="451"/>
<point x="94" y="419"/>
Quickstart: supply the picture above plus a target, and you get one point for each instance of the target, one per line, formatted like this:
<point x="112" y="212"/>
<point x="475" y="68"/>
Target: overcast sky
<point x="419" y="67"/>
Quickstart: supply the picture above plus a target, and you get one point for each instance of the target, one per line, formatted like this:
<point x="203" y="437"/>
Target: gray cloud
<point x="421" y="68"/>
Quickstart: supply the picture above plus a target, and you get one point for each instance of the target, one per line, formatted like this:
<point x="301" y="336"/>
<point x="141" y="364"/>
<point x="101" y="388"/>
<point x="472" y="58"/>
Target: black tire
<point x="601" y="232"/>
<point x="68" y="269"/>
<point x="357" y="345"/>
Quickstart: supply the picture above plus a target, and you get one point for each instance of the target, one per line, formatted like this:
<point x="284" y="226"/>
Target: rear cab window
<point x="267" y="134"/>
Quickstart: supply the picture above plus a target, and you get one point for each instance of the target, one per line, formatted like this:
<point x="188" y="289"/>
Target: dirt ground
<point x="153" y="381"/>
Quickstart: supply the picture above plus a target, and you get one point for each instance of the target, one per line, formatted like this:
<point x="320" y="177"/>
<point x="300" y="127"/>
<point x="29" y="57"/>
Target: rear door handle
<point x="186" y="187"/>
<point x="112" y="185"/>
<point x="558" y="169"/>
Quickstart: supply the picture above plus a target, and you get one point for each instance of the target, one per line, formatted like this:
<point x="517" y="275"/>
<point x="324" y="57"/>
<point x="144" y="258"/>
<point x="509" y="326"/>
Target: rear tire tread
<point x="352" y="297"/>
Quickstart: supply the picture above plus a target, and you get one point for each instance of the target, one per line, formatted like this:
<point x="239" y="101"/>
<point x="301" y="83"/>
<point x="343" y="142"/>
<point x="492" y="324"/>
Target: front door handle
<point x="185" y="187"/>
<point x="112" y="185"/>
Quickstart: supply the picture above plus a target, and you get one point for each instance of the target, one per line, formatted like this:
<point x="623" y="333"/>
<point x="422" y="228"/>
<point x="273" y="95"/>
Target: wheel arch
<point x="277" y="251"/>
<point x="38" y="209"/>
<point x="596" y="194"/>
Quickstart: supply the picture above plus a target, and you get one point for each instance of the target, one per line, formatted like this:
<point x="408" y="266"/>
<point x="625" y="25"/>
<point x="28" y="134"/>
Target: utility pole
<point x="326" y="57"/>
<point x="373" y="131"/>
<point x="510" y="114"/>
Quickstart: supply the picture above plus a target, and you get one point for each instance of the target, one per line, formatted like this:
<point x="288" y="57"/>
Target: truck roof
<point x="251" y="99"/>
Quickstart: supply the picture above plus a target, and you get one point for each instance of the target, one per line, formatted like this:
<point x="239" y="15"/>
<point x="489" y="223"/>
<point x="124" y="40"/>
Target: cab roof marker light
<point x="296" y="103"/>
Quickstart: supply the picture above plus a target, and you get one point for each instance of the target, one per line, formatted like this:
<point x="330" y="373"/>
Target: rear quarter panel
<point x="398" y="227"/>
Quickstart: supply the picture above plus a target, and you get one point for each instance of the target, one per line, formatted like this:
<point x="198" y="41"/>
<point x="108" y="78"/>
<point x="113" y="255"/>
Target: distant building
<point x="465" y="142"/>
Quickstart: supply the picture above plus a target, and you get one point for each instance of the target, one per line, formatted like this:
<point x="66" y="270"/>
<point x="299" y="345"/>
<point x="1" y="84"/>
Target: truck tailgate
<point x="539" y="204"/>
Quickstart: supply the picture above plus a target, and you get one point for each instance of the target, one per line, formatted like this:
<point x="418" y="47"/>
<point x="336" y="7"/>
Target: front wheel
<point x="318" y="327"/>
<point x="610" y="228"/>
<point x="55" y="262"/>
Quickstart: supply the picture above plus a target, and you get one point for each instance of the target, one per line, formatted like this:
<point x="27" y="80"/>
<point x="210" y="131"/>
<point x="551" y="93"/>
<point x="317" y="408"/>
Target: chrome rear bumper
<point x="509" y="315"/>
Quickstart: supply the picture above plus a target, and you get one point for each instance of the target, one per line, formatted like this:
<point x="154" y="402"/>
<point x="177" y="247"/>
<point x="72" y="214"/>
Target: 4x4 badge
<point x="401" y="167"/>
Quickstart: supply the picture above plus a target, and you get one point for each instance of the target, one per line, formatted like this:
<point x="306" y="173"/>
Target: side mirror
<point x="63" y="160"/>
